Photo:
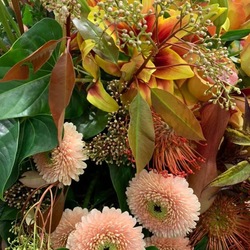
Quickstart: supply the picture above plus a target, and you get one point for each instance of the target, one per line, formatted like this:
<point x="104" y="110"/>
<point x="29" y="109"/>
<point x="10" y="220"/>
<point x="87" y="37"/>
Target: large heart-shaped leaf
<point x="21" y="70"/>
<point x="38" y="134"/>
<point x="29" y="42"/>
<point x="9" y="133"/>
<point x="176" y="114"/>
<point x="141" y="132"/>
<point x="89" y="30"/>
<point x="235" y="174"/>
<point x="29" y="98"/>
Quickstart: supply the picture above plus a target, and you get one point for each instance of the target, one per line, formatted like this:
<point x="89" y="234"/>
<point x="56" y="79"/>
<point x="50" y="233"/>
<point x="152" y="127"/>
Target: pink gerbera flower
<point x="163" y="204"/>
<point x="66" y="162"/>
<point x="66" y="226"/>
<point x="109" y="229"/>
<point x="162" y="243"/>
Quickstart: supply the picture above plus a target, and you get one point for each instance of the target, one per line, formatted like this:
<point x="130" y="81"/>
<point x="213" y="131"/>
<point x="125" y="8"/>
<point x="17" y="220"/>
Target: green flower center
<point x="107" y="246"/>
<point x="157" y="210"/>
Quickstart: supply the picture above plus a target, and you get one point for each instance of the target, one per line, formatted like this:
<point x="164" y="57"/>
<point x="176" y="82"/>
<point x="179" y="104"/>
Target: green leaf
<point x="26" y="99"/>
<point x="106" y="47"/>
<point x="233" y="35"/>
<point x="29" y="42"/>
<point x="238" y="137"/>
<point x="120" y="177"/>
<point x="152" y="248"/>
<point x="9" y="133"/>
<point x="176" y="114"/>
<point x="92" y="122"/>
<point x="202" y="244"/>
<point x="141" y="132"/>
<point x="9" y="213"/>
<point x="233" y="175"/>
<point x="37" y="134"/>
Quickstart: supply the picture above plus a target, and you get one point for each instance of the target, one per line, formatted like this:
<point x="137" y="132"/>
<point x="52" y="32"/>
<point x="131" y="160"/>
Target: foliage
<point x="111" y="69"/>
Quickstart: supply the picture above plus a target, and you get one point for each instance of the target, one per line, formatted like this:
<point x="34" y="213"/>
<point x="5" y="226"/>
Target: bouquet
<point x="125" y="124"/>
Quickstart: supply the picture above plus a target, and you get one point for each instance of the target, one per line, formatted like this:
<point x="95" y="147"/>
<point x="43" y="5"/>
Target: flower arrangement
<point x="124" y="124"/>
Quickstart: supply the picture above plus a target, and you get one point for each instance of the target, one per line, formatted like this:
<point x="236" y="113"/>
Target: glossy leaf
<point x="176" y="114"/>
<point x="38" y="134"/>
<point x="238" y="137"/>
<point x="9" y="134"/>
<point x="89" y="30"/>
<point x="91" y="123"/>
<point x="141" y="132"/>
<point x="20" y="71"/>
<point x="120" y="177"/>
<point x="26" y="99"/>
<point x="233" y="175"/>
<point x="29" y="42"/>
<point x="99" y="97"/>
<point x="62" y="83"/>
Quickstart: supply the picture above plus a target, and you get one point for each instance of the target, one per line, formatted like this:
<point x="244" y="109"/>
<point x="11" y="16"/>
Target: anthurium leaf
<point x="236" y="174"/>
<point x="20" y="70"/>
<point x="24" y="99"/>
<point x="141" y="132"/>
<point x="89" y="30"/>
<point x="92" y="122"/>
<point x="9" y="134"/>
<point x="176" y="114"/>
<point x="29" y="42"/>
<point x="99" y="97"/>
<point x="62" y="83"/>
<point x="120" y="177"/>
<point x="238" y="137"/>
<point x="152" y="248"/>
<point x="38" y="134"/>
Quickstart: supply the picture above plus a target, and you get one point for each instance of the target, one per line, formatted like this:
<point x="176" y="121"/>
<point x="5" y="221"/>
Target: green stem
<point x="8" y="23"/>
<point x="3" y="46"/>
<point x="89" y="192"/>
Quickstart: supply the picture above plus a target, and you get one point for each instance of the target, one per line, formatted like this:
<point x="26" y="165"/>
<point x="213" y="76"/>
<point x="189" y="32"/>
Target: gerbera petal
<point x="109" y="229"/>
<point x="164" y="205"/>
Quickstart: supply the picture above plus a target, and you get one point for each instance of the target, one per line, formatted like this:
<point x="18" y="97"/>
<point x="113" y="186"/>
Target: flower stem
<point x="89" y="192"/>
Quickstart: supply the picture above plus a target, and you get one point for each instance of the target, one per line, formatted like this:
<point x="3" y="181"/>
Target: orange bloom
<point x="172" y="152"/>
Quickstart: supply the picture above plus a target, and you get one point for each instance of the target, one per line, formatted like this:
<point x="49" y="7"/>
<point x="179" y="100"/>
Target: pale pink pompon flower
<point x="109" y="229"/>
<point x="165" y="205"/>
<point x="179" y="243"/>
<point x="65" y="162"/>
<point x="66" y="226"/>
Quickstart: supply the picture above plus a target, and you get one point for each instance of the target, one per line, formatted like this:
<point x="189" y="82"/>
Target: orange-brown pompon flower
<point x="226" y="224"/>
<point x="66" y="225"/>
<point x="164" y="205"/>
<point x="178" y="243"/>
<point x="65" y="162"/>
<point x="173" y="153"/>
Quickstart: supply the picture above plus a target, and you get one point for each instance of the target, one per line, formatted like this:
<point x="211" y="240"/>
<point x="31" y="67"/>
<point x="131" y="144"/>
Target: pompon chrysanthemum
<point x="164" y="205"/>
<point x="109" y="229"/>
<point x="162" y="243"/>
<point x="226" y="225"/>
<point x="66" y="162"/>
<point x="66" y="226"/>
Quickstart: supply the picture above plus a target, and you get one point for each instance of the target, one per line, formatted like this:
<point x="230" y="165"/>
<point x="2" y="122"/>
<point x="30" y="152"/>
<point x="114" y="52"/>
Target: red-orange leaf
<point x="60" y="90"/>
<point x="20" y="71"/>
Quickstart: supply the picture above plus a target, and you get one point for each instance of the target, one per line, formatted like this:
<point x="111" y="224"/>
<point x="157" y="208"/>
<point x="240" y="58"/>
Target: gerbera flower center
<point x="109" y="241"/>
<point x="157" y="210"/>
